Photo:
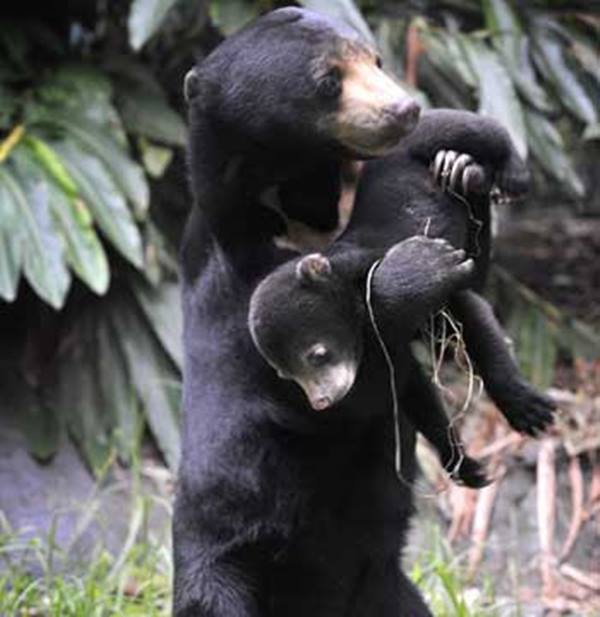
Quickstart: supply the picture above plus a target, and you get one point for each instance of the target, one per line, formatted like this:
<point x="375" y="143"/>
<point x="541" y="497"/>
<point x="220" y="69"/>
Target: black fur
<point x="397" y="198"/>
<point x="279" y="511"/>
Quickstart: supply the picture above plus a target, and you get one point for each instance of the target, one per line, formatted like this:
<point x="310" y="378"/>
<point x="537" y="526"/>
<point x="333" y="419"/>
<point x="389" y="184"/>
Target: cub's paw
<point x="416" y="277"/>
<point x="470" y="473"/>
<point x="526" y="409"/>
<point x="459" y="173"/>
<point x="512" y="180"/>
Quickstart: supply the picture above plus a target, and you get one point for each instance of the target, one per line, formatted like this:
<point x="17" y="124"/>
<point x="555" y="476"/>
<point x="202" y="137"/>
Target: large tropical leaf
<point x="497" y="96"/>
<point x="77" y="397"/>
<point x="549" y="150"/>
<point x="8" y="106"/>
<point x="448" y="54"/>
<point x="162" y="307"/>
<point x="550" y="58"/>
<point x="145" y="18"/>
<point x="11" y="243"/>
<point x="105" y="201"/>
<point x="41" y="425"/>
<point x="153" y="377"/>
<point x="126" y="173"/>
<point x="538" y="328"/>
<point x="83" y="90"/>
<point x="345" y="11"/>
<point x="117" y="392"/>
<point x="512" y="44"/>
<point x="150" y="116"/>
<point x="232" y="15"/>
<point x="43" y="251"/>
<point x="83" y="249"/>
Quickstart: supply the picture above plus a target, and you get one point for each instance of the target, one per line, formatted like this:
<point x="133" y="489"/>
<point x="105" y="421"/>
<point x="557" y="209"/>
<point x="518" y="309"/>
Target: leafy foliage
<point x="524" y="64"/>
<point x="75" y="208"/>
<point x="87" y="133"/>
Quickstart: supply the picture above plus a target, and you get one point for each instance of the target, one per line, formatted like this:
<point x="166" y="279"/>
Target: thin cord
<point x="391" y="370"/>
<point x="393" y="390"/>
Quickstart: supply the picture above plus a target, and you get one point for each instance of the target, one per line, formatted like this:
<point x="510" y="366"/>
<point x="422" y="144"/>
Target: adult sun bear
<point x="281" y="510"/>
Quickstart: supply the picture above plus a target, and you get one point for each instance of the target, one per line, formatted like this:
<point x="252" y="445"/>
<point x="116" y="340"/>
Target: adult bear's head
<point x="294" y="78"/>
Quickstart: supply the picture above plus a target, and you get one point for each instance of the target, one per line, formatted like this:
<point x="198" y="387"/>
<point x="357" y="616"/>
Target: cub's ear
<point x="192" y="85"/>
<point x="313" y="267"/>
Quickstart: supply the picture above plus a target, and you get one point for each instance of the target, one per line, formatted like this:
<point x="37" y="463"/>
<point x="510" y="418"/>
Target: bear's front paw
<point x="458" y="173"/>
<point x="512" y="180"/>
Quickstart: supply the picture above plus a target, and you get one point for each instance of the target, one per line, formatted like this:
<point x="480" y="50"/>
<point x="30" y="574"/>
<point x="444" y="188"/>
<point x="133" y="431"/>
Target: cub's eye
<point x="330" y="85"/>
<point x="318" y="356"/>
<point x="378" y="62"/>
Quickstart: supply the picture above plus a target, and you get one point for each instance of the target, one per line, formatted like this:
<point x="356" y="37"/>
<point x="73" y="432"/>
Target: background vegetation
<point x="93" y="190"/>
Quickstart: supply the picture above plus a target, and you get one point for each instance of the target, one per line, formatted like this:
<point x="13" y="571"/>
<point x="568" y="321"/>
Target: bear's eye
<point x="318" y="356"/>
<point x="330" y="85"/>
<point x="378" y="62"/>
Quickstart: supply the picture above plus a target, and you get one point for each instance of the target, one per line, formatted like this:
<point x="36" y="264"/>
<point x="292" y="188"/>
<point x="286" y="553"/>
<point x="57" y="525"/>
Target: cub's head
<point x="305" y="321"/>
<point x="295" y="78"/>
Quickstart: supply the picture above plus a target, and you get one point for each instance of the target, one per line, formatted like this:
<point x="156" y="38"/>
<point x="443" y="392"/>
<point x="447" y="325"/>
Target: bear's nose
<point x="404" y="113"/>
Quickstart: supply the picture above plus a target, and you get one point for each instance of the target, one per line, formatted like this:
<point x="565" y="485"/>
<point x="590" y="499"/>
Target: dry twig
<point x="576" y="482"/>
<point x="546" y="497"/>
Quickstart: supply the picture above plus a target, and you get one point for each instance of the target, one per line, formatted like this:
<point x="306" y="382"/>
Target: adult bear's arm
<point x="467" y="132"/>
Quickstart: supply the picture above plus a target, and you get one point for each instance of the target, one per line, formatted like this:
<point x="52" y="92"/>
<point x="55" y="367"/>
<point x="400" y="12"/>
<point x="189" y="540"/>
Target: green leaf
<point x="11" y="245"/>
<point x="513" y="46"/>
<point x="83" y="248"/>
<point x="105" y="201"/>
<point x="150" y="116"/>
<point x="232" y="15"/>
<point x="550" y="58"/>
<point x="51" y="164"/>
<point x="592" y="132"/>
<point x="9" y="103"/>
<point x="497" y="96"/>
<point x="152" y="375"/>
<point x="40" y="423"/>
<point x="43" y="262"/>
<point x="145" y="18"/>
<point x="549" y="150"/>
<point x="162" y="307"/>
<point x="447" y="52"/>
<point x="78" y="399"/>
<point x="344" y="11"/>
<point x="538" y="328"/>
<point x="116" y="390"/>
<point x="586" y="54"/>
<point x="156" y="159"/>
<point x="79" y="89"/>
<point x="127" y="174"/>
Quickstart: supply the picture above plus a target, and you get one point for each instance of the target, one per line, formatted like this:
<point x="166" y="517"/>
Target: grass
<point x="440" y="575"/>
<point x="137" y="581"/>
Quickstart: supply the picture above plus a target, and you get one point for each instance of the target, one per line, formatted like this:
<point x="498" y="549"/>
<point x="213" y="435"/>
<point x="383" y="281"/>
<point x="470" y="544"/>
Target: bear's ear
<point x="313" y="267"/>
<point x="191" y="85"/>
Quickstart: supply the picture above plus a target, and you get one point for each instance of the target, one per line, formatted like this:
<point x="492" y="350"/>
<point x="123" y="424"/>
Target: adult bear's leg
<point x="385" y="591"/>
<point x="208" y="580"/>
<point x="410" y="600"/>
